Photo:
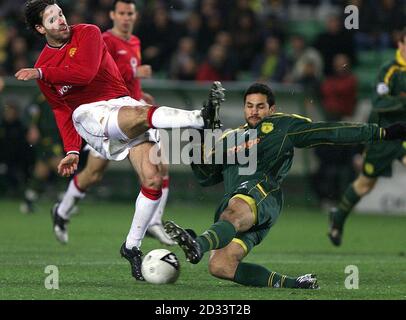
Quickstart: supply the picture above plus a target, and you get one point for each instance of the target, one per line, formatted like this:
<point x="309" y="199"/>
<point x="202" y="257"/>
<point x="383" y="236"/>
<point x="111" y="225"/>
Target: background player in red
<point x="88" y="96"/>
<point x="125" y="49"/>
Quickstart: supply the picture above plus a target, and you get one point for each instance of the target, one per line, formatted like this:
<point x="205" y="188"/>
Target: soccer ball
<point x="160" y="266"/>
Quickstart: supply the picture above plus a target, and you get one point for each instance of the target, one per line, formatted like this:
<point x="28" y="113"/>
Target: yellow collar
<point x="400" y="59"/>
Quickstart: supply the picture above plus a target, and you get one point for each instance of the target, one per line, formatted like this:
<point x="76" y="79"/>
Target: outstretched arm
<point x="303" y="133"/>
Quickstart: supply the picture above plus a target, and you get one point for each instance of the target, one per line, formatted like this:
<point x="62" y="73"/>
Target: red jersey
<point x="81" y="71"/>
<point x="127" y="55"/>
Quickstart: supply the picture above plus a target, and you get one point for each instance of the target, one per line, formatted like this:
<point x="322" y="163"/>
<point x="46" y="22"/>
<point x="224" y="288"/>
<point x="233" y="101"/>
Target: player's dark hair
<point x="113" y="7"/>
<point x="263" y="89"/>
<point x="34" y="10"/>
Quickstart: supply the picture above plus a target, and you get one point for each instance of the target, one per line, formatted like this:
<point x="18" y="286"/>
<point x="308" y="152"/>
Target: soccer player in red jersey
<point x="125" y="49"/>
<point x="90" y="101"/>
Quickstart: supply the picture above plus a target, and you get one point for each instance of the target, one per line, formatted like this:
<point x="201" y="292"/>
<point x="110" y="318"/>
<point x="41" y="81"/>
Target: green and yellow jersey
<point x="276" y="138"/>
<point x="389" y="100"/>
<point x="41" y="116"/>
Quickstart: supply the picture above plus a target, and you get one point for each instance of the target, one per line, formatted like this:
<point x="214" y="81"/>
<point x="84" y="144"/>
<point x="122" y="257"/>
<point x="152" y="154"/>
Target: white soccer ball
<point x="160" y="266"/>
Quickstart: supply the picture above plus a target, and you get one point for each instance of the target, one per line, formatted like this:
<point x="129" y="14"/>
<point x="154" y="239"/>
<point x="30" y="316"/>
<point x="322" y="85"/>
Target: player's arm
<point x="383" y="98"/>
<point x="303" y="133"/>
<point x="70" y="138"/>
<point x="84" y="63"/>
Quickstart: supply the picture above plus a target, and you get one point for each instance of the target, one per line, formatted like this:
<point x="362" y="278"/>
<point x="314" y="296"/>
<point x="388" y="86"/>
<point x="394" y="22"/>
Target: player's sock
<point x="165" y="118"/>
<point x="70" y="198"/>
<point x="145" y="206"/>
<point x="249" y="274"/>
<point x="217" y="236"/>
<point x="349" y="199"/>
<point x="157" y="217"/>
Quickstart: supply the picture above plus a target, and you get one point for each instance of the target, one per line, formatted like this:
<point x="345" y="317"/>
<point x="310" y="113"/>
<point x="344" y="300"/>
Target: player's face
<point x="256" y="108"/>
<point x="124" y="17"/>
<point x="54" y="25"/>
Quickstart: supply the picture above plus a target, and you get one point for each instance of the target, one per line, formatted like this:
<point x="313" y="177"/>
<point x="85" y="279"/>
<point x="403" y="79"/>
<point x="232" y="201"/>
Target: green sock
<point x="217" y="236"/>
<point x="348" y="201"/>
<point x="249" y="274"/>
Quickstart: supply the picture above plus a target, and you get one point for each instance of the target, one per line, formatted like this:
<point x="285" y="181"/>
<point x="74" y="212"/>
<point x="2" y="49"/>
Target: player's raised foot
<point x="189" y="245"/>
<point x="157" y="231"/>
<point x="60" y="225"/>
<point x="134" y="257"/>
<point x="211" y="109"/>
<point x="335" y="232"/>
<point x="307" y="281"/>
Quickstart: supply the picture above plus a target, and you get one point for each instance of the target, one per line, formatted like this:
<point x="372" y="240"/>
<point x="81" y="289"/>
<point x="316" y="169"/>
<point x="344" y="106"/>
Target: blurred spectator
<point x="213" y="67"/>
<point x="160" y="37"/>
<point x="339" y="91"/>
<point x="247" y="39"/>
<point x="272" y="64"/>
<point x="304" y="60"/>
<point x="184" y="61"/>
<point x="333" y="41"/>
<point x="194" y="29"/>
<point x="15" y="154"/>
<point x="338" y="97"/>
<point x="224" y="39"/>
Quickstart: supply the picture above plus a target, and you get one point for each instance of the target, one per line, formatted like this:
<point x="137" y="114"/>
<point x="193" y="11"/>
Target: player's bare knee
<point x="152" y="181"/>
<point x="222" y="267"/>
<point x="233" y="217"/>
<point x="363" y="185"/>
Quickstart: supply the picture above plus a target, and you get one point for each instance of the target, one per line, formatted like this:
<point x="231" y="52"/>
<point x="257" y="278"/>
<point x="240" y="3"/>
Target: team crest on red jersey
<point x="72" y="52"/>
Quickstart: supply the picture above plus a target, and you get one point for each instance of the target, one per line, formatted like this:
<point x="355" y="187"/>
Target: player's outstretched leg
<point x="189" y="245"/>
<point x="134" y="257"/>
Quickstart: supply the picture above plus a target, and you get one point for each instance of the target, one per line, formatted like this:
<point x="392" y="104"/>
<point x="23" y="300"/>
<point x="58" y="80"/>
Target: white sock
<point x="157" y="217"/>
<point x="70" y="198"/>
<point x="166" y="118"/>
<point x="144" y="210"/>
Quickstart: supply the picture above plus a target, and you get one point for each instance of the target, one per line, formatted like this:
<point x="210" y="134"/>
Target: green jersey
<point x="42" y="117"/>
<point x="276" y="138"/>
<point x="389" y="100"/>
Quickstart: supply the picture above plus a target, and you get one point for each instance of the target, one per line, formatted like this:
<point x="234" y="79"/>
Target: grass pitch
<point x="90" y="266"/>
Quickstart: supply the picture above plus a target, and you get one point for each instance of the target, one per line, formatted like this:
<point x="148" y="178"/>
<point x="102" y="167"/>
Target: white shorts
<point x="93" y="121"/>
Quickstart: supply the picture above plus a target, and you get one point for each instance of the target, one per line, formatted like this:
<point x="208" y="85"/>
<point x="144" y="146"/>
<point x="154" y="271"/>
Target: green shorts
<point x="266" y="205"/>
<point x="379" y="157"/>
<point x="47" y="149"/>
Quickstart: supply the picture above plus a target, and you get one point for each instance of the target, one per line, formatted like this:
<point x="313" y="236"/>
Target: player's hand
<point x="68" y="165"/>
<point x="27" y="74"/>
<point x="144" y="71"/>
<point x="148" y="98"/>
<point x="396" y="131"/>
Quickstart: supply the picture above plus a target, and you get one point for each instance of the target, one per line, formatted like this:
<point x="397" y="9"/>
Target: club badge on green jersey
<point x="266" y="127"/>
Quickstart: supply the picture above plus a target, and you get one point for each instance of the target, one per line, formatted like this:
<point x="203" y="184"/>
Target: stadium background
<point x="239" y="30"/>
<point x="90" y="266"/>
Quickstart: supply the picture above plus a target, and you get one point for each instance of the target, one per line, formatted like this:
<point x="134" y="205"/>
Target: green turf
<point x="90" y="266"/>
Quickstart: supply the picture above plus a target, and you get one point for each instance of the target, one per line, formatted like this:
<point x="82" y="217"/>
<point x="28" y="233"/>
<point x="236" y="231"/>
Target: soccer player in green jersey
<point x="44" y="137"/>
<point x="252" y="203"/>
<point x="389" y="106"/>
